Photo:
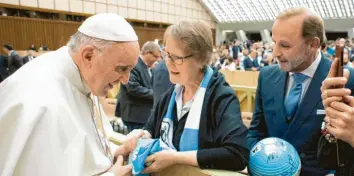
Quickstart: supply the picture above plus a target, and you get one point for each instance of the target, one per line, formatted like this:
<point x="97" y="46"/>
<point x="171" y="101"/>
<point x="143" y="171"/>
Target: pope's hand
<point x="129" y="144"/>
<point x="118" y="169"/>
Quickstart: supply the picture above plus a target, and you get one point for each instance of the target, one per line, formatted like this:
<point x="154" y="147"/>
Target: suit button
<point x="302" y="155"/>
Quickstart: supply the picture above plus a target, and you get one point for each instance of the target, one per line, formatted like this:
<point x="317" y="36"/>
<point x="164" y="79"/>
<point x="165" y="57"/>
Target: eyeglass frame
<point x="175" y="58"/>
<point x="156" y="57"/>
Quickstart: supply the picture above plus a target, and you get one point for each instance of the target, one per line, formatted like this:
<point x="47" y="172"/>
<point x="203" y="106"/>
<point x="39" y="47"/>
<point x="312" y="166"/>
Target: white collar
<point x="70" y="70"/>
<point x="310" y="71"/>
<point x="11" y="52"/>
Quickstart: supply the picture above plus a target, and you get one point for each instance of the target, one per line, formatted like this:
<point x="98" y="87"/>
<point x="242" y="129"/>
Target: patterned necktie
<point x="293" y="99"/>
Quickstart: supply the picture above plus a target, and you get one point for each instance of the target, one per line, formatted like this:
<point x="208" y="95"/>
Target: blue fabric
<point x="330" y="51"/>
<point x="293" y="99"/>
<point x="189" y="140"/>
<point x="332" y="172"/>
<point x="143" y="152"/>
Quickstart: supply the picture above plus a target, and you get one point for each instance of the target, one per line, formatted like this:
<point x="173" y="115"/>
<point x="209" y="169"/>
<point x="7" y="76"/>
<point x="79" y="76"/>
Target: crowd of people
<point x="11" y="61"/>
<point x="252" y="56"/>
<point x="195" y="117"/>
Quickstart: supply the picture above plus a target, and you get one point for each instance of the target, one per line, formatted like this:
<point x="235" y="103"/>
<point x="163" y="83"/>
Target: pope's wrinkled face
<point x="106" y="67"/>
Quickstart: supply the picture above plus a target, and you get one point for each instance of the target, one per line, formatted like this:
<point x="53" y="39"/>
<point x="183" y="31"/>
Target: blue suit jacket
<point x="247" y="63"/>
<point x="255" y="63"/>
<point x="304" y="130"/>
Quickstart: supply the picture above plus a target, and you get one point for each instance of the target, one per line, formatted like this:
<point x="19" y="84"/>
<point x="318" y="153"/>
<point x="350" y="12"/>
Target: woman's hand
<point x="340" y="119"/>
<point x="161" y="160"/>
<point x="331" y="94"/>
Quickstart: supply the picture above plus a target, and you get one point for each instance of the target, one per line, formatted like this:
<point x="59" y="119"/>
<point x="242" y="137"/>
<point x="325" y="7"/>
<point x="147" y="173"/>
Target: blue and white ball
<point x="274" y="157"/>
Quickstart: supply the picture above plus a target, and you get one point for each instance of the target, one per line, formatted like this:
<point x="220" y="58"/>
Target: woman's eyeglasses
<point x="175" y="59"/>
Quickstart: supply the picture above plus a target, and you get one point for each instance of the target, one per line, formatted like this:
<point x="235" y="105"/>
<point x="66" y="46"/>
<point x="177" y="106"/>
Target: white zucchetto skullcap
<point x="108" y="26"/>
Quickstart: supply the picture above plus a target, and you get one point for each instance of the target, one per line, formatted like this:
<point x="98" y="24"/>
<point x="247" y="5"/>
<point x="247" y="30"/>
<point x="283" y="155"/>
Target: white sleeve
<point x="108" y="174"/>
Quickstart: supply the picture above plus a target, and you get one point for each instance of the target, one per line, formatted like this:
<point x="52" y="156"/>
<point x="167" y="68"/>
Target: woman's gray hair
<point x="196" y="37"/>
<point x="79" y="39"/>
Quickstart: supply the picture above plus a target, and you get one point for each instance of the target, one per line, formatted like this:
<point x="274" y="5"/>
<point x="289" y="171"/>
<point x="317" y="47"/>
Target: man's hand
<point x="118" y="169"/>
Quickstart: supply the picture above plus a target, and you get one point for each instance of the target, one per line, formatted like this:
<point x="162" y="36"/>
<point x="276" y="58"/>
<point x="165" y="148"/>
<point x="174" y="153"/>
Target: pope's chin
<point x="101" y="92"/>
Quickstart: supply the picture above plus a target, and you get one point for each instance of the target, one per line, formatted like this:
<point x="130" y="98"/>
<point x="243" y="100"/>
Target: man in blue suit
<point x="248" y="61"/>
<point x="288" y="94"/>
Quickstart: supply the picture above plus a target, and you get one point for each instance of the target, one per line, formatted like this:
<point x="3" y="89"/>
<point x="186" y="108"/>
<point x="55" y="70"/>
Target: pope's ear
<point x="87" y="53"/>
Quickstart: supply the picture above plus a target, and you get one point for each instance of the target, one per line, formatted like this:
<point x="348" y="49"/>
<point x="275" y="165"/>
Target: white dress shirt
<point x="182" y="109"/>
<point x="310" y="71"/>
<point x="10" y="53"/>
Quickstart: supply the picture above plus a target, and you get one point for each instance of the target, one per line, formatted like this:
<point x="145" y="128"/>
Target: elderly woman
<point x="199" y="118"/>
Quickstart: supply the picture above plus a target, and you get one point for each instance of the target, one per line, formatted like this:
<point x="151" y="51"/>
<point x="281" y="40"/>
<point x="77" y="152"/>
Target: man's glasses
<point x="178" y="60"/>
<point x="155" y="56"/>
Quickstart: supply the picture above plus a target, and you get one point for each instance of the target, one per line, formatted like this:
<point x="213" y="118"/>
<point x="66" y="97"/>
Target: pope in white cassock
<point x="51" y="122"/>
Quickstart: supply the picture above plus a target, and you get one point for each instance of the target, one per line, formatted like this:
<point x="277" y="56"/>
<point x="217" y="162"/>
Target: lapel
<point x="311" y="98"/>
<point x="145" y="71"/>
<point x="255" y="62"/>
<point x="279" y="94"/>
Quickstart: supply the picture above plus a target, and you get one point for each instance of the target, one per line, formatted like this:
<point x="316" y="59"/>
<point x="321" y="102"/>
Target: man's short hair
<point x="8" y="46"/>
<point x="312" y="26"/>
<point x="150" y="47"/>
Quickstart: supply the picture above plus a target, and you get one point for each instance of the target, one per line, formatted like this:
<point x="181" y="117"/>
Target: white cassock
<point x="46" y="125"/>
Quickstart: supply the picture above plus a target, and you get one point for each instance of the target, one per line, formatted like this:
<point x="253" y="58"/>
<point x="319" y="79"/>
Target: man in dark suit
<point x="288" y="95"/>
<point x="14" y="61"/>
<point x="248" y="61"/>
<point x="135" y="99"/>
<point x="3" y="66"/>
<point x="259" y="62"/>
<point x="236" y="49"/>
<point x="160" y="80"/>
<point x="29" y="56"/>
